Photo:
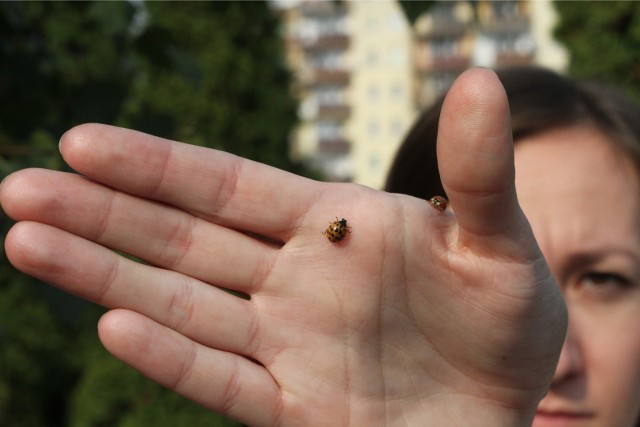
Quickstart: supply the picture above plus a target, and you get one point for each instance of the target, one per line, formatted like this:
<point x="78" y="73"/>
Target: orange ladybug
<point x="337" y="230"/>
<point x="438" y="202"/>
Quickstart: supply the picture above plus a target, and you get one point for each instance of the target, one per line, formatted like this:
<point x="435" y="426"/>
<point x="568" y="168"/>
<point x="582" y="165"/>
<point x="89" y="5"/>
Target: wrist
<point x="458" y="411"/>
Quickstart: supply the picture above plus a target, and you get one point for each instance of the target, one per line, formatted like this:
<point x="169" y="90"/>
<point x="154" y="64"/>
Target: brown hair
<point x="539" y="99"/>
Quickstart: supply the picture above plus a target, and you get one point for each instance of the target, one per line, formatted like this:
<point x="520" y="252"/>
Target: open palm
<point x="417" y="317"/>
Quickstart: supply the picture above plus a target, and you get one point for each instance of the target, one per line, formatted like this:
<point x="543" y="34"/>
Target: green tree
<point x="414" y="8"/>
<point x="208" y="73"/>
<point x="219" y="81"/>
<point x="111" y="394"/>
<point x="60" y="67"/>
<point x="35" y="366"/>
<point x="603" y="38"/>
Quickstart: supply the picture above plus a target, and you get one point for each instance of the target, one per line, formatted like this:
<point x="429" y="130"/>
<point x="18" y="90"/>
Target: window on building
<point x="444" y="47"/>
<point x="373" y="93"/>
<point x="311" y="27"/>
<point x="308" y="31"/>
<point x="396" y="21"/>
<point x="520" y="43"/>
<point x="328" y="60"/>
<point x="372" y="57"/>
<point x="328" y="131"/>
<point x="443" y="10"/>
<point x="397" y="56"/>
<point x="439" y="82"/>
<point x="374" y="164"/>
<point x="396" y="92"/>
<point x="504" y="10"/>
<point x="332" y="25"/>
<point x="328" y="95"/>
<point x="396" y="128"/>
<point x="372" y="23"/>
<point x="373" y="129"/>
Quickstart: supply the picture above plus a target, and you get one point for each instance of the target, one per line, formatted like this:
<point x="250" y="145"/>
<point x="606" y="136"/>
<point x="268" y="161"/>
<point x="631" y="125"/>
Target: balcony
<point x="321" y="8"/>
<point x="444" y="29"/>
<point x="326" y="42"/>
<point x="513" y="25"/>
<point x="322" y="76"/>
<point x="339" y="112"/>
<point x="510" y="59"/>
<point x="334" y="146"/>
<point x="449" y="63"/>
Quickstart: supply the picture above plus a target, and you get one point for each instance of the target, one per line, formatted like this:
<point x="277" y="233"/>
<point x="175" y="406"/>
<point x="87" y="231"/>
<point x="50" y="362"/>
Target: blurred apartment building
<point x="363" y="72"/>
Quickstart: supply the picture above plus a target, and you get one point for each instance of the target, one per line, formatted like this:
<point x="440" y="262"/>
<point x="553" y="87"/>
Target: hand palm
<point x="415" y="311"/>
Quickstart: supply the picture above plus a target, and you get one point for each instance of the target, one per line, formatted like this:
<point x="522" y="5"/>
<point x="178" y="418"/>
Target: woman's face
<point x="583" y="201"/>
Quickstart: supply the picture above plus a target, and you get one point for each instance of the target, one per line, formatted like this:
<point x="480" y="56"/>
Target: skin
<point x="418" y="317"/>
<point x="582" y="198"/>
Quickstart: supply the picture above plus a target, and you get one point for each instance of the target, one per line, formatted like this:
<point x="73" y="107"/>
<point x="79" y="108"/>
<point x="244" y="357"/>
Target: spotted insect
<point x="438" y="202"/>
<point x="337" y="230"/>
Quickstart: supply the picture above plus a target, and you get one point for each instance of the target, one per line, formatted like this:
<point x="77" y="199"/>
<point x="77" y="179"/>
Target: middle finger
<point x="157" y="233"/>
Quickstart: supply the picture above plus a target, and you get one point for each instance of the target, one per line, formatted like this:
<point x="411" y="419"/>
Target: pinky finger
<point x="223" y="382"/>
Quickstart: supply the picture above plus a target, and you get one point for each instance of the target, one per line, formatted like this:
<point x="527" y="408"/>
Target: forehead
<point x="573" y="182"/>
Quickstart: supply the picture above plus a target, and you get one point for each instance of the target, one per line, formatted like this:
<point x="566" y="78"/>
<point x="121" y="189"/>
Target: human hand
<point x="418" y="317"/>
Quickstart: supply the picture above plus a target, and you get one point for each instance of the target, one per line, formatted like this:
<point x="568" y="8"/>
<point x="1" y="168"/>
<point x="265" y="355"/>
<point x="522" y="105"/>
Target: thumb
<point x="475" y="157"/>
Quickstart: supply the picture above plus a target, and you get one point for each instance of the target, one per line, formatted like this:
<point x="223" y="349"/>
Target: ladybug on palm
<point x="337" y="230"/>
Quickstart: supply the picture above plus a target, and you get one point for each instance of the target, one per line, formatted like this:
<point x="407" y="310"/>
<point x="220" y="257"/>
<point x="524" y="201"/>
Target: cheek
<point x="612" y="363"/>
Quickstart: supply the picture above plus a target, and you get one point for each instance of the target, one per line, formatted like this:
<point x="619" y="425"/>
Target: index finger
<point x="211" y="184"/>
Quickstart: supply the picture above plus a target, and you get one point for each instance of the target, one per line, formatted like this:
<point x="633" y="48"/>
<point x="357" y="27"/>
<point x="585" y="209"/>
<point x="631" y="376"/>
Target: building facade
<point x="363" y="72"/>
<point x="456" y="35"/>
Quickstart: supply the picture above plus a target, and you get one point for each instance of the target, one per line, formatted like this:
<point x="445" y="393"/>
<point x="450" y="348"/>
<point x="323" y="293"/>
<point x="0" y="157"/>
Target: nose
<point x="570" y="364"/>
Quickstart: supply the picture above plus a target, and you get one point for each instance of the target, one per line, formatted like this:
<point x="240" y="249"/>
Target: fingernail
<point x="60" y="140"/>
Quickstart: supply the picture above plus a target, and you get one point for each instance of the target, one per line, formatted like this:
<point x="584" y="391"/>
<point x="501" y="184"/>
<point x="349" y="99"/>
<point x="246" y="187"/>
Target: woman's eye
<point x="605" y="281"/>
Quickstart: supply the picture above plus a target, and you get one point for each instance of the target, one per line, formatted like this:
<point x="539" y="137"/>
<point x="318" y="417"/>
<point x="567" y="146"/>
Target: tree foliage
<point x="34" y="367"/>
<point x="603" y="38"/>
<point x="111" y="394"/>
<point x="208" y="73"/>
<point x="413" y="9"/>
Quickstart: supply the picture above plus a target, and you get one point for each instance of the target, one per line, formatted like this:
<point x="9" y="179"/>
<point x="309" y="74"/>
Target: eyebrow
<point x="583" y="258"/>
<point x="610" y="250"/>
